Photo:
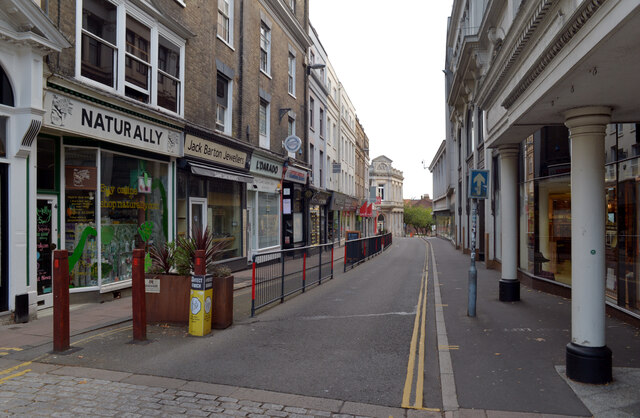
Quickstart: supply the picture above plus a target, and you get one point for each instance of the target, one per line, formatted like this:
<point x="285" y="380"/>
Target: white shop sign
<point x="75" y="116"/>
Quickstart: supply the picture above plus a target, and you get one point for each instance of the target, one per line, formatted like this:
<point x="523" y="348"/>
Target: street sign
<point x="478" y="184"/>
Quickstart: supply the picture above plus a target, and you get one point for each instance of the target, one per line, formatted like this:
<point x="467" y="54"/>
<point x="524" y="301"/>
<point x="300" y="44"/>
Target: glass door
<point x="47" y="242"/>
<point x="197" y="213"/>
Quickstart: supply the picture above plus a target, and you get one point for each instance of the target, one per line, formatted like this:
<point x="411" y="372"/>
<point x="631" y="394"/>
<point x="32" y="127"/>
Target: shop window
<point x="152" y="63"/>
<point x="3" y="136"/>
<point x="224" y="215"/>
<point x="81" y="235"/>
<point x="552" y="151"/>
<point x="6" y="92"/>
<point x="46" y="170"/>
<point x="268" y="220"/>
<point x="133" y="211"/>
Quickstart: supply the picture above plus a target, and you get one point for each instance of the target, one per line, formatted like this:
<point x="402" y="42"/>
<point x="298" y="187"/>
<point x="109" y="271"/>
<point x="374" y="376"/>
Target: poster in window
<point x="297" y="227"/>
<point x="80" y="178"/>
<point x="286" y="206"/>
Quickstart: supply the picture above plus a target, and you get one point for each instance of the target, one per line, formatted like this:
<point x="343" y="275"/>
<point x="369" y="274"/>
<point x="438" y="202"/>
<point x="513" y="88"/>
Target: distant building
<point x="387" y="183"/>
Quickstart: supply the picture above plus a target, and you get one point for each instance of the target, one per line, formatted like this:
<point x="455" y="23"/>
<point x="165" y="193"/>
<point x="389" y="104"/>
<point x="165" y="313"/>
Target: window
<point x="291" y="126"/>
<point x="135" y="57"/>
<point x="480" y="126"/>
<point x="223" y="104"/>
<point x="6" y="92"/>
<point x="311" y="106"/>
<point x="311" y="160"/>
<point x="264" y="124"/>
<point x="380" y="191"/>
<point x="265" y="48"/>
<point x="292" y="6"/>
<point x="225" y="20"/>
<point x="469" y="132"/>
<point x="312" y="58"/>
<point x="321" y="169"/>
<point x="321" y="124"/>
<point x="292" y="74"/>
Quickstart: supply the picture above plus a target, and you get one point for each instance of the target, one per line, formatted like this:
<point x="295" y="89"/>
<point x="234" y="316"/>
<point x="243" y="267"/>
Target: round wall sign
<point x="292" y="143"/>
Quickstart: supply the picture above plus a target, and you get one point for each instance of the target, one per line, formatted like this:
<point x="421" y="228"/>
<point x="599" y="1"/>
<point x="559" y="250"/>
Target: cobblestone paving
<point x="46" y="394"/>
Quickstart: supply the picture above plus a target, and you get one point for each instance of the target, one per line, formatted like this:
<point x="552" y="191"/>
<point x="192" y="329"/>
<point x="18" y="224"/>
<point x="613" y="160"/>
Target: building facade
<point x="389" y="206"/>
<point x="444" y="202"/>
<point x="533" y="98"/>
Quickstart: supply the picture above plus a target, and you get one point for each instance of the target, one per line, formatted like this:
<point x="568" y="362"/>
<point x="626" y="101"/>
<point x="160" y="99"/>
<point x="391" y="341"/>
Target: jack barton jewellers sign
<point x="66" y="113"/>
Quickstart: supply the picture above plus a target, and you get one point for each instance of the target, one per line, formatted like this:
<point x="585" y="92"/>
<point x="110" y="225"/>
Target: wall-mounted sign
<point x="266" y="167"/>
<point x="71" y="115"/>
<point x="336" y="168"/>
<point x="212" y="151"/>
<point x="295" y="175"/>
<point x="292" y="144"/>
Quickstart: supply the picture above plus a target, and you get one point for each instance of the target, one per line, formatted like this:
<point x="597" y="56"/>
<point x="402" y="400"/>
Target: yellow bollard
<point x="201" y="304"/>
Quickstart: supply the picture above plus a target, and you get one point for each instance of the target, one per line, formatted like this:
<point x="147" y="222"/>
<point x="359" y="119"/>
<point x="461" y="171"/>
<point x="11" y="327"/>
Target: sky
<point x="389" y="56"/>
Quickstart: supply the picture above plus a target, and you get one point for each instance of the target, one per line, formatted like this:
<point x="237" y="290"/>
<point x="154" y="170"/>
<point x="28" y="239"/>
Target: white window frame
<point x="291" y="62"/>
<point x="321" y="113"/>
<point x="312" y="104"/>
<point x="291" y="122"/>
<point x="267" y="51"/>
<point x="156" y="30"/>
<point x="230" y="17"/>
<point x="229" y="108"/>
<point x="264" y="140"/>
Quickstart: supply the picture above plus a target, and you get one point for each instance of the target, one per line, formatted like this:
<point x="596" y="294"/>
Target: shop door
<point x="197" y="213"/>
<point x="47" y="242"/>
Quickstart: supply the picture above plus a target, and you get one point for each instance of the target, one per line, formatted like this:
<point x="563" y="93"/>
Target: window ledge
<point x="224" y="41"/>
<point x="293" y="95"/>
<point x="266" y="74"/>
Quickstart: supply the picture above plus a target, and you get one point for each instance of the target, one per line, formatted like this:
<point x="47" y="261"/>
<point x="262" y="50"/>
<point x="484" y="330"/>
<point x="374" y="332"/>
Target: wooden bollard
<point x="200" y="264"/>
<point x="60" y="300"/>
<point x="138" y="296"/>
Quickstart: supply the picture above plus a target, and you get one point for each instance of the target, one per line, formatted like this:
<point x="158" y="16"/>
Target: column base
<point x="509" y="290"/>
<point x="589" y="364"/>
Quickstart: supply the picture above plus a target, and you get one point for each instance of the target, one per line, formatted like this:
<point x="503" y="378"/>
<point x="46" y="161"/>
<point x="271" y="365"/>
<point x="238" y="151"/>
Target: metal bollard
<point x="60" y="300"/>
<point x="138" y="296"/>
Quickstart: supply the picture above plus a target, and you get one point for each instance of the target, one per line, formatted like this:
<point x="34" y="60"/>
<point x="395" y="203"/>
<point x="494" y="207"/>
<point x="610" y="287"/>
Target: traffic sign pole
<point x="473" y="272"/>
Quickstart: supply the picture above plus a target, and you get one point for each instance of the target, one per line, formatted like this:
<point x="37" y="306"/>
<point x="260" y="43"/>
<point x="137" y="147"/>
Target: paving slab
<point x="361" y="409"/>
<point x="91" y="373"/>
<point x="157" y="381"/>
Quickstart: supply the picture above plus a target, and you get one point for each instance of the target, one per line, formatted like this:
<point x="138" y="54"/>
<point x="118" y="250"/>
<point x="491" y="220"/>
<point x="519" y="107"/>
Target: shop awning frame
<point x="219" y="173"/>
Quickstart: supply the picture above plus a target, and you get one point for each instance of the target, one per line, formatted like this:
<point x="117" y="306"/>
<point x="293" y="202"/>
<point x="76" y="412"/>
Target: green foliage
<point x="199" y="240"/>
<point x="163" y="257"/>
<point x="418" y="217"/>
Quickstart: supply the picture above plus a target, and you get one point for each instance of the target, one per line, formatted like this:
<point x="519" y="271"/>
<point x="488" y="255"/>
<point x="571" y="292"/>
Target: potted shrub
<point x="169" y="301"/>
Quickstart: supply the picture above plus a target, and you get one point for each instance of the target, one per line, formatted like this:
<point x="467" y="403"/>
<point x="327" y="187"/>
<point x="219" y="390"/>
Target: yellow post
<point x="201" y="304"/>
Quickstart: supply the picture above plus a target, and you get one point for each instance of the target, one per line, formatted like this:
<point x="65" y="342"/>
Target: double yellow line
<point x="419" y="329"/>
<point x="13" y="369"/>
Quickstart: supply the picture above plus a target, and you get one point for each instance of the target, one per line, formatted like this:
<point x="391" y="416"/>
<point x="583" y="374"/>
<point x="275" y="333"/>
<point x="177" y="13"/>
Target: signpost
<point x="478" y="182"/>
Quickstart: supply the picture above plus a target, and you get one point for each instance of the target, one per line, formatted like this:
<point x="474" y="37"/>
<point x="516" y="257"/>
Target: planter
<point x="222" y="302"/>
<point x="171" y="303"/>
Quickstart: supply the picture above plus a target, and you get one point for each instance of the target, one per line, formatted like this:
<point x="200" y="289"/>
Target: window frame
<point x="226" y="127"/>
<point x="230" y="19"/>
<point x="156" y="30"/>
<point x="267" y="52"/>
<point x="312" y="104"/>
<point x="291" y="73"/>
<point x="264" y="140"/>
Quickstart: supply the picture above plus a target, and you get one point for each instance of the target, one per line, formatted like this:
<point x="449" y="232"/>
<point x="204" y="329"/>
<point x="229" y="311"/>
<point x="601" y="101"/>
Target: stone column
<point x="588" y="358"/>
<point x="509" y="284"/>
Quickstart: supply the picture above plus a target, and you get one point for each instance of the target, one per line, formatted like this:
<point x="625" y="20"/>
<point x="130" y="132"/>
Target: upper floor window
<point x="380" y="191"/>
<point x="321" y="122"/>
<point x="225" y="20"/>
<point x="480" y="126"/>
<point x="223" y="104"/>
<point x="6" y="92"/>
<point x="312" y="104"/>
<point x="292" y="74"/>
<point x="134" y="56"/>
<point x="291" y="126"/>
<point x="312" y="58"/>
<point x="265" y="48"/>
<point x="264" y="124"/>
<point x="292" y="6"/>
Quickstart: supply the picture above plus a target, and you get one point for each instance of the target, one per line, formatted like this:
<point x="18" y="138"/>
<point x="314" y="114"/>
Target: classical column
<point x="509" y="284"/>
<point x="588" y="358"/>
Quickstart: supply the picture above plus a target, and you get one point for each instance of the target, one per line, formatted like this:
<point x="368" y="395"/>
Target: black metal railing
<point x="279" y="274"/>
<point x="359" y="250"/>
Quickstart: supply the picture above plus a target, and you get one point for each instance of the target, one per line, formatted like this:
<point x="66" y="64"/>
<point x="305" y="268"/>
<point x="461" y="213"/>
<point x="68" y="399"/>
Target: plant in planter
<point x="169" y="302"/>
<point x="200" y="239"/>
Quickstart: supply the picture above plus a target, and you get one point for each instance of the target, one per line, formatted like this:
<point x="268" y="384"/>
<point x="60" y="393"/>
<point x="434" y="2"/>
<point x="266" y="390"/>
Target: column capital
<point x="587" y="116"/>
<point x="508" y="151"/>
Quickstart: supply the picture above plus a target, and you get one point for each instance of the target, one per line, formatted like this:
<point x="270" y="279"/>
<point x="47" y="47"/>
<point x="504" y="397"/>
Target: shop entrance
<point x="47" y="240"/>
<point x="197" y="213"/>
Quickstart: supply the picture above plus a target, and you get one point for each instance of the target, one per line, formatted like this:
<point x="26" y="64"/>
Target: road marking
<point x="10" y="349"/>
<point x="417" y="345"/>
<point x="448" y="347"/>
<point x="14" y="368"/>
<point x="4" y="379"/>
<point x="102" y="334"/>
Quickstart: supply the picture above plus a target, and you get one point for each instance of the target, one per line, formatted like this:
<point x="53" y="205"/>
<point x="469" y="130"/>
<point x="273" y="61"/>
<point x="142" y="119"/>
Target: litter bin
<point x="200" y="306"/>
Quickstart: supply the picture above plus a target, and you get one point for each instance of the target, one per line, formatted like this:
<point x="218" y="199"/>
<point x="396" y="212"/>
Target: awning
<point x="219" y="173"/>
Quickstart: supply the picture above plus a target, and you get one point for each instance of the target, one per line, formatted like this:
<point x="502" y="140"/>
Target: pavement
<point x="506" y="362"/>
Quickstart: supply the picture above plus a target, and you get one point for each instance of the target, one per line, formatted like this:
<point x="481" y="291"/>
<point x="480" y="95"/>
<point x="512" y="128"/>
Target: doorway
<point x="47" y="240"/>
<point x="197" y="214"/>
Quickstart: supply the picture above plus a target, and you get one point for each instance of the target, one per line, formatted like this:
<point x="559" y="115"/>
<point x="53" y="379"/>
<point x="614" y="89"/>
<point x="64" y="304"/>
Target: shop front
<point x="104" y="187"/>
<point x="342" y="214"/>
<point x="211" y="190"/>
<point x="294" y="206"/>
<point x="364" y="218"/>
<point x="263" y="205"/>
<point x="318" y="216"/>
